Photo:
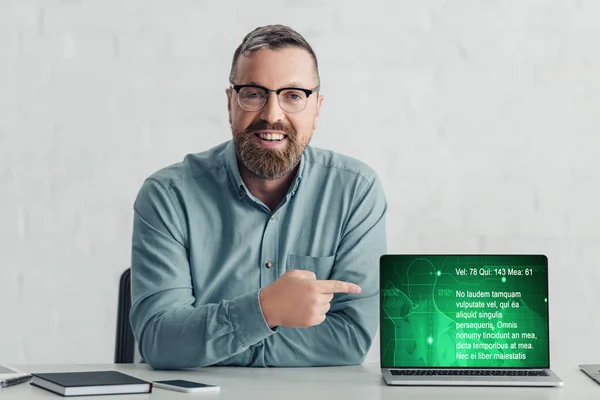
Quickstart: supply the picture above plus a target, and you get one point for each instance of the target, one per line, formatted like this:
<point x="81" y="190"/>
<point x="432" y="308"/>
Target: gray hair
<point x="272" y="37"/>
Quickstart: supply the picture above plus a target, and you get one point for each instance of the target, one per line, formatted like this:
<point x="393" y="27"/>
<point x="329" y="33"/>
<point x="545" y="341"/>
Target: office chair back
<point x="126" y="348"/>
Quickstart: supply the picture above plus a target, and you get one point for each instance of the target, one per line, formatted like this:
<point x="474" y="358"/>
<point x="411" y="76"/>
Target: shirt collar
<point x="238" y="185"/>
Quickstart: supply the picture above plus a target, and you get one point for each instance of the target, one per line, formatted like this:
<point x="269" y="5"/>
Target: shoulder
<point x="332" y="162"/>
<point x="192" y="167"/>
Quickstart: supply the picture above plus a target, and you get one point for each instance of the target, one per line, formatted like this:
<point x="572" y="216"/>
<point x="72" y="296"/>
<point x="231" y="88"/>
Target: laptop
<point x="591" y="370"/>
<point x="465" y="320"/>
<point x="10" y="376"/>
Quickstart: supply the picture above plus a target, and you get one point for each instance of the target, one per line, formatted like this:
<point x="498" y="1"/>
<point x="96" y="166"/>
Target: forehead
<point x="277" y="68"/>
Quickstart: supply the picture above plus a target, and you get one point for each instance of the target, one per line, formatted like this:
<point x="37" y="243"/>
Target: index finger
<point x="334" y="286"/>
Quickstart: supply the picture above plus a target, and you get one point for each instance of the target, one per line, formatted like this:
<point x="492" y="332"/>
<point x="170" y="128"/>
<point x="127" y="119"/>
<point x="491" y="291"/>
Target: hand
<point x="298" y="300"/>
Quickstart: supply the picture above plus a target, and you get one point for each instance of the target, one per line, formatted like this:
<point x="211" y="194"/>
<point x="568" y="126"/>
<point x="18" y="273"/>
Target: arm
<point x="344" y="338"/>
<point x="170" y="330"/>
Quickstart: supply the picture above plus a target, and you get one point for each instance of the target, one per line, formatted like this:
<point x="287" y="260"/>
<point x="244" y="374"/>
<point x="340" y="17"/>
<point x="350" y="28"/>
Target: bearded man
<point x="262" y="251"/>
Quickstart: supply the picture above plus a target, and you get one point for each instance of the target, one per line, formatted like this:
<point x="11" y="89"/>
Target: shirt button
<point x="268" y="264"/>
<point x="272" y="218"/>
<point x="241" y="193"/>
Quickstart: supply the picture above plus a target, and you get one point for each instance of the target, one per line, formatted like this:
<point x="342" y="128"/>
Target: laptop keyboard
<point x="469" y="372"/>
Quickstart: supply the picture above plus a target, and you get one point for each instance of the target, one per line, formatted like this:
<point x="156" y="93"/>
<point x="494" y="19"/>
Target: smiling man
<point x="262" y="251"/>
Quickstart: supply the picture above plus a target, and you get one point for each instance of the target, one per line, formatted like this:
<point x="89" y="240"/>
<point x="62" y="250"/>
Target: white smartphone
<point x="181" y="385"/>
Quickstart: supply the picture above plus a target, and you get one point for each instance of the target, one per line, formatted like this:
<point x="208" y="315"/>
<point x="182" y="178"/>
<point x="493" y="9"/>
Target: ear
<point x="228" y="92"/>
<point x="319" y="103"/>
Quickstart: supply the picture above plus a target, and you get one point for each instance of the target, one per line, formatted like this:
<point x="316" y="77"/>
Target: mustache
<point x="265" y="126"/>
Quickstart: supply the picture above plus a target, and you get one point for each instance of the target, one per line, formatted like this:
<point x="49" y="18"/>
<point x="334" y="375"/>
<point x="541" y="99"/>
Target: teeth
<point x="270" y="136"/>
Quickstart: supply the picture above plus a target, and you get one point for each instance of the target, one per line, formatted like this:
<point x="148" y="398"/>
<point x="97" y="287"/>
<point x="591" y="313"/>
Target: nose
<point x="272" y="112"/>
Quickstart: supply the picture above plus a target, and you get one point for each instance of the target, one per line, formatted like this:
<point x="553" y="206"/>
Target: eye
<point x="294" y="95"/>
<point x="254" y="94"/>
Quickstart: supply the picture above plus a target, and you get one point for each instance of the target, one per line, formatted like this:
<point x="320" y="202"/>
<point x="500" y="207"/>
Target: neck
<point x="269" y="191"/>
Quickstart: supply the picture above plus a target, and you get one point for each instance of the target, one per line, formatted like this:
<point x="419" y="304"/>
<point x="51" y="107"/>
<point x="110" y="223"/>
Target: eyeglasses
<point x="254" y="97"/>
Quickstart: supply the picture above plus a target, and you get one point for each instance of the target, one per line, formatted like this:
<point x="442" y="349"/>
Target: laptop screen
<point x="460" y="311"/>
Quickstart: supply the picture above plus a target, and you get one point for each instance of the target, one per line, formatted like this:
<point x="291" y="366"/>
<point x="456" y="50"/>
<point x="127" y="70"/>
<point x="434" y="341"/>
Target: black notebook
<point x="90" y="383"/>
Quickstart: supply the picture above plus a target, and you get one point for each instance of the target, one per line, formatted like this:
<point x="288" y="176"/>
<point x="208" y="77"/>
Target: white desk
<point x="347" y="383"/>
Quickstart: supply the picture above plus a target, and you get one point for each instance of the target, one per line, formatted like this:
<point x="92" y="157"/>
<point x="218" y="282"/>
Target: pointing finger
<point x="334" y="286"/>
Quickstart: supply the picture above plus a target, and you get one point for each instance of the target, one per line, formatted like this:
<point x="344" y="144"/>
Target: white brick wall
<point x="480" y="116"/>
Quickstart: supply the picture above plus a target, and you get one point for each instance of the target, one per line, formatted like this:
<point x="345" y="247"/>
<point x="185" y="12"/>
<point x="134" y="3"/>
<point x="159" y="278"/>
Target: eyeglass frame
<point x="308" y="92"/>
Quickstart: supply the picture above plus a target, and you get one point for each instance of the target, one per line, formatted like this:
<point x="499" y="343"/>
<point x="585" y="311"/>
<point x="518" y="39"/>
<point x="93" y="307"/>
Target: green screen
<point x="486" y="311"/>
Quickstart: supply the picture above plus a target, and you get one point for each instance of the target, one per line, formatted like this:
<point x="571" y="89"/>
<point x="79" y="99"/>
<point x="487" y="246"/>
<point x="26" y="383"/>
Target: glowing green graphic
<point x="458" y="311"/>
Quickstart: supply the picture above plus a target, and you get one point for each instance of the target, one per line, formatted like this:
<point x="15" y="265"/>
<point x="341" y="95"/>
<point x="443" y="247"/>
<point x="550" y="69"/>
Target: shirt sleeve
<point x="346" y="335"/>
<point x="170" y="330"/>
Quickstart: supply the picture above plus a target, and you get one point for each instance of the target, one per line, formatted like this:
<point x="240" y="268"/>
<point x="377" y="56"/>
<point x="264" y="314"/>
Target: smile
<point x="271" y="137"/>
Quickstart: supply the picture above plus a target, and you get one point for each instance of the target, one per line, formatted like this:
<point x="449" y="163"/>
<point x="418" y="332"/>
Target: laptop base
<point x="550" y="380"/>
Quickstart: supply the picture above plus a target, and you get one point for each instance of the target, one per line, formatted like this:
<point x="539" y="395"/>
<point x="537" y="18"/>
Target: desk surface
<point x="348" y="383"/>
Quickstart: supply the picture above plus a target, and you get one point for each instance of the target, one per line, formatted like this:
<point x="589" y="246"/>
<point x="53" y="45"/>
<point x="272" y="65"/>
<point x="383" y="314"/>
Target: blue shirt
<point x="203" y="247"/>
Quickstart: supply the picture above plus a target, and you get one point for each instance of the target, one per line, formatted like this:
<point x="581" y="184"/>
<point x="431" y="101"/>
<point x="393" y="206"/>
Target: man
<point x="262" y="251"/>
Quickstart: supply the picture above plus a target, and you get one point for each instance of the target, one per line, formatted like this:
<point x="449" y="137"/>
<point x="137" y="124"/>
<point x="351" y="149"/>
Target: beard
<point x="268" y="163"/>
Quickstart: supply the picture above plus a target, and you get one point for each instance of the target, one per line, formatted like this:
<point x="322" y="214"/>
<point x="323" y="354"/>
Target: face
<point x="270" y="141"/>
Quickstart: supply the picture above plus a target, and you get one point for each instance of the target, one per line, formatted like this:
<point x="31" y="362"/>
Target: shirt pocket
<point x="321" y="266"/>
